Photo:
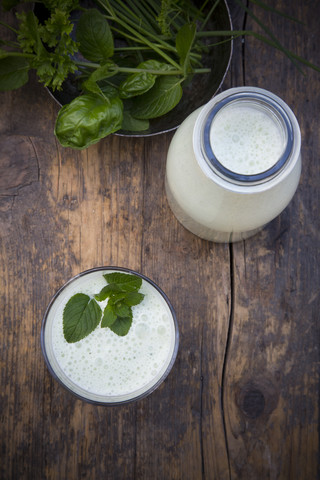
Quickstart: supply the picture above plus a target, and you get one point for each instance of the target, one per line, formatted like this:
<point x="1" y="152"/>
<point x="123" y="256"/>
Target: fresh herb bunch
<point x="134" y="58"/>
<point x="82" y="313"/>
<point x="131" y="59"/>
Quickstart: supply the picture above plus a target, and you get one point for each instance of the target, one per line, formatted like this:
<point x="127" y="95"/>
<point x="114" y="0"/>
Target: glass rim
<point x="154" y="386"/>
<point x="239" y="178"/>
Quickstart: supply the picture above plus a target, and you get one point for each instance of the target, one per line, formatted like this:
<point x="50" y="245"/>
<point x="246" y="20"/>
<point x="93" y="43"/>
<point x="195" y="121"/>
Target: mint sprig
<point x="82" y="313"/>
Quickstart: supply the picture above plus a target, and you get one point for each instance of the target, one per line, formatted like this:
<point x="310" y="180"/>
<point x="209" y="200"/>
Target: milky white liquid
<point x="246" y="139"/>
<point x="104" y="366"/>
<point x="211" y="206"/>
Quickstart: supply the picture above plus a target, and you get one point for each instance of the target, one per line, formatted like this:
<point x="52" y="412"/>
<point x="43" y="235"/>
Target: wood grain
<point x="242" y="399"/>
<point x="271" y="388"/>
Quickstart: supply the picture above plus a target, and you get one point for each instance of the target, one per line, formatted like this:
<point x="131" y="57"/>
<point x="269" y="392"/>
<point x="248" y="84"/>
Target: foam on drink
<point x="246" y="139"/>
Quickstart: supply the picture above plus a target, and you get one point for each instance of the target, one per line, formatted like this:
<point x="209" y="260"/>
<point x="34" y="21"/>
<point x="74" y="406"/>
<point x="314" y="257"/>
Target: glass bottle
<point x="234" y="164"/>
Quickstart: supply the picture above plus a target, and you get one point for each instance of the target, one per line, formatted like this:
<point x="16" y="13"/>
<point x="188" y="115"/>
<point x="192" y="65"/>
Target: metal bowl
<point x="199" y="90"/>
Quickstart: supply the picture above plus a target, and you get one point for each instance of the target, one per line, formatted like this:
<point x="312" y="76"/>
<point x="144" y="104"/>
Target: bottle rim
<point x="239" y="178"/>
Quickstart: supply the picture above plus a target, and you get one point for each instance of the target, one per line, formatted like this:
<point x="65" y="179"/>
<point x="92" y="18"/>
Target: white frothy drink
<point x="104" y="367"/>
<point x="245" y="139"/>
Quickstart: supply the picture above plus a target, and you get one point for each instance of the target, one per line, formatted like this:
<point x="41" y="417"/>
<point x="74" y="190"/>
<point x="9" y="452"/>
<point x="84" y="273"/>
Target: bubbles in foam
<point x="246" y="139"/>
<point x="142" y="330"/>
<point x="106" y="364"/>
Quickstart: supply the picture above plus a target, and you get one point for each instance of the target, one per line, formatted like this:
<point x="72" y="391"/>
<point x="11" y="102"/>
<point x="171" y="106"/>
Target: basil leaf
<point x="109" y="316"/>
<point x="125" y="281"/>
<point x="94" y="36"/>
<point x="13" y="73"/>
<point x="80" y="317"/>
<point x="122" y="326"/>
<point x="137" y="84"/>
<point x="132" y="124"/>
<point x="160" y="99"/>
<point x="87" y="119"/>
<point x="184" y="40"/>
<point x="133" y="298"/>
<point x="108" y="90"/>
<point x="141" y="82"/>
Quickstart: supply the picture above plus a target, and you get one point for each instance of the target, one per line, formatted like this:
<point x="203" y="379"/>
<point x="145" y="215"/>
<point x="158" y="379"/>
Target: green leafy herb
<point x="94" y="36"/>
<point x="122" y="291"/>
<point x="122" y="326"/>
<point x="130" y="60"/>
<point x="165" y="95"/>
<point x="141" y="82"/>
<point x="80" y="317"/>
<point x="133" y="124"/>
<point x="13" y="72"/>
<point x="126" y="282"/>
<point x="87" y="119"/>
<point x="82" y="314"/>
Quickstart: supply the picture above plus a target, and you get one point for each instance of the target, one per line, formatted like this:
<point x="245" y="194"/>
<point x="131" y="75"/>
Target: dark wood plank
<point x="272" y="369"/>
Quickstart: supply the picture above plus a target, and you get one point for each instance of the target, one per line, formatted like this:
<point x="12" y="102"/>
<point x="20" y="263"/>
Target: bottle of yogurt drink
<point x="234" y="164"/>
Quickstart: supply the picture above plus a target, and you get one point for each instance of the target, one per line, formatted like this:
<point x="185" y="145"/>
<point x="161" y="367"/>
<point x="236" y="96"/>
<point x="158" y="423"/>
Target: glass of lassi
<point x="234" y="164"/>
<point x="106" y="368"/>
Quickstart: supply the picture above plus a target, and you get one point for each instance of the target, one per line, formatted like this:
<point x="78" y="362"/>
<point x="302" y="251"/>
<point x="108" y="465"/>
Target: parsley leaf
<point x="49" y="46"/>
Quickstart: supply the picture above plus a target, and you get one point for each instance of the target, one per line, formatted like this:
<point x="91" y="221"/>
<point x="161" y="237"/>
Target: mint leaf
<point x="133" y="298"/>
<point x="122" y="310"/>
<point x="125" y="281"/>
<point x="109" y="317"/>
<point x="107" y="291"/>
<point x="122" y="291"/>
<point x="122" y="326"/>
<point x="81" y="316"/>
<point x="117" y="317"/>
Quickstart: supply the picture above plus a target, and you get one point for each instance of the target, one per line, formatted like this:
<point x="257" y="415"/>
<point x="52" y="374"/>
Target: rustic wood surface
<point x="242" y="399"/>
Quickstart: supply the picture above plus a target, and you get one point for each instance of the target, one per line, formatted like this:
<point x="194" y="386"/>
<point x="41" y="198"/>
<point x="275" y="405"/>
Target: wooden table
<point x="242" y="399"/>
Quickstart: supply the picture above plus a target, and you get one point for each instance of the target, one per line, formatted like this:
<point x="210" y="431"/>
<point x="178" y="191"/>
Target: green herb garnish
<point x="82" y="313"/>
